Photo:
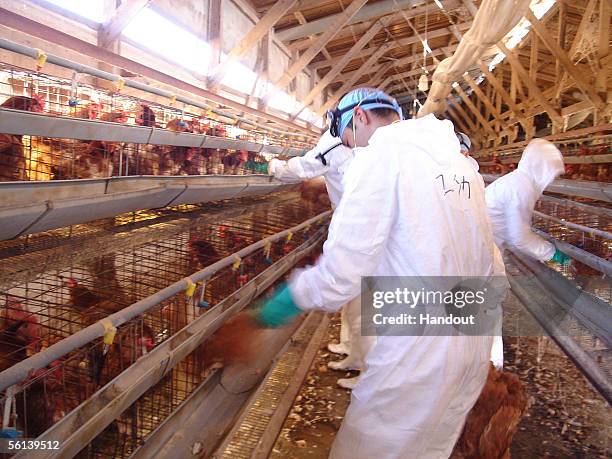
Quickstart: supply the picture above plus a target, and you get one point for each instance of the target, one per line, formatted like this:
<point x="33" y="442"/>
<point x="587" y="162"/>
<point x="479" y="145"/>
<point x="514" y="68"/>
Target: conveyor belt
<point x="254" y="434"/>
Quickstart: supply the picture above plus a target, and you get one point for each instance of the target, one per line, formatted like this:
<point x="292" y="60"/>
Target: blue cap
<point x="367" y="99"/>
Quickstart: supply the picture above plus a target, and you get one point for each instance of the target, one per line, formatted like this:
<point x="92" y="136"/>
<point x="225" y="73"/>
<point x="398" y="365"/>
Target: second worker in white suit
<point x="330" y="159"/>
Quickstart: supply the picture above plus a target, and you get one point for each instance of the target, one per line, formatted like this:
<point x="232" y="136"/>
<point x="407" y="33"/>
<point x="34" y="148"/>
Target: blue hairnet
<point x="356" y="96"/>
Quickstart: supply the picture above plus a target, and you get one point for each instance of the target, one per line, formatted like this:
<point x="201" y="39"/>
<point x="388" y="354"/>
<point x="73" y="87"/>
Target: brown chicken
<point x="494" y="419"/>
<point x="172" y="158"/>
<point x="214" y="156"/>
<point x="12" y="158"/>
<point x="87" y="111"/>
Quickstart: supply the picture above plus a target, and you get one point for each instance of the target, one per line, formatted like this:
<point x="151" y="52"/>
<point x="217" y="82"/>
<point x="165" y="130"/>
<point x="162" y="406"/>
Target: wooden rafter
<point x="485" y="124"/>
<point x="457" y="120"/>
<point x="463" y="115"/>
<point x="368" y="65"/>
<point x="531" y="85"/>
<point x="214" y="33"/>
<point x="251" y="38"/>
<point x="603" y="47"/>
<point x="414" y="58"/>
<point x="485" y="100"/>
<point x="308" y="55"/>
<point x="311" y="38"/>
<point x="400" y="43"/>
<point x="369" y="12"/>
<point x="501" y="91"/>
<point x="336" y="69"/>
<point x="561" y="55"/>
<point x="127" y="11"/>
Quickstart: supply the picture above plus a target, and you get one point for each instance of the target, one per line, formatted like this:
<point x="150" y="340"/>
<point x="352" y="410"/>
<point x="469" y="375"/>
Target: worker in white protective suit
<point x="511" y="200"/>
<point x="398" y="216"/>
<point x="330" y="159"/>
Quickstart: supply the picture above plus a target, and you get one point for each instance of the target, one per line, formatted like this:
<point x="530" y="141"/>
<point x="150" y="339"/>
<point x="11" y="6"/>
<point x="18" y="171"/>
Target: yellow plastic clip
<point x="190" y="288"/>
<point x="208" y="113"/>
<point x="289" y="236"/>
<point x="109" y="332"/>
<point x="173" y="100"/>
<point x="41" y="59"/>
<point x="119" y="84"/>
<point x="236" y="264"/>
<point x="267" y="248"/>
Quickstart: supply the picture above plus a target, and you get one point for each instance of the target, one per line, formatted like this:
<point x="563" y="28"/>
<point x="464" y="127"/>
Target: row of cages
<point x="58" y="303"/>
<point x="40" y="158"/>
<point x="598" y="172"/>
<point x="585" y="277"/>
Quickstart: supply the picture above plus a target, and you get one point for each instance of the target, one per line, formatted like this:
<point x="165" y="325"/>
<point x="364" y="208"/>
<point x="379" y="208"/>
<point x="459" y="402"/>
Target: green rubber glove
<point x="279" y="310"/>
<point x="261" y="168"/>
<point x="561" y="258"/>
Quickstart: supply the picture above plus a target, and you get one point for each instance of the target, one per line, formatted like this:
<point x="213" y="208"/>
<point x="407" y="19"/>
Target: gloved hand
<point x="261" y="168"/>
<point x="279" y="310"/>
<point x="561" y="258"/>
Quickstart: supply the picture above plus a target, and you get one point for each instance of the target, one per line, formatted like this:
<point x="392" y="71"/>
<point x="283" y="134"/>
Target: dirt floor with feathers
<point x="566" y="418"/>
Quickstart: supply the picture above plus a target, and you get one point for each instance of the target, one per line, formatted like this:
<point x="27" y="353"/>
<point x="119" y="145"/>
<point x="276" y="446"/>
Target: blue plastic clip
<point x="73" y="102"/>
<point x="203" y="304"/>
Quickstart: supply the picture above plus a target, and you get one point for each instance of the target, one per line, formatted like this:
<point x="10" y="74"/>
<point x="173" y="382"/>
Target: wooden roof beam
<point x="351" y="81"/>
<point x="560" y="54"/>
<point x="400" y="43"/>
<point x="462" y="114"/>
<point x="534" y="91"/>
<point x="368" y="12"/>
<point x="305" y="58"/>
<point x="485" y="124"/>
<point x="457" y="120"/>
<point x="311" y="38"/>
<point x="112" y="29"/>
<point x="396" y="18"/>
<point x="485" y="100"/>
<point x="336" y="69"/>
<point x="604" y="45"/>
<point x="499" y="87"/>
<point x="257" y="32"/>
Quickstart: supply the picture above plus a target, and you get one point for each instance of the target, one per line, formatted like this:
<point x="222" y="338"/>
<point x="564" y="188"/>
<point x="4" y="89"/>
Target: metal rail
<point x="584" y="257"/>
<point x="586" y="189"/>
<point x="601" y="211"/>
<point x="576" y="226"/>
<point x="81" y="68"/>
<point x="19" y="122"/>
<point x="35" y="206"/>
<point x="21" y="370"/>
<point x="89" y="419"/>
<point x="534" y="296"/>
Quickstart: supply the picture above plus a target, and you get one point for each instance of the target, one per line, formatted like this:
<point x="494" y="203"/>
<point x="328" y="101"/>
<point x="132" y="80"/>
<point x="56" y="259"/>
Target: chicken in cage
<point x="37" y="158"/>
<point x="60" y="302"/>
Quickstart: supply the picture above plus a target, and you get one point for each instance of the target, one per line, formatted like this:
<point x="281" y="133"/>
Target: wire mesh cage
<point x="564" y="213"/>
<point x="62" y="301"/>
<point x="39" y="158"/>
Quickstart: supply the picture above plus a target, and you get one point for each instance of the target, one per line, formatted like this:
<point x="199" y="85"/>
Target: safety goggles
<point x="334" y="116"/>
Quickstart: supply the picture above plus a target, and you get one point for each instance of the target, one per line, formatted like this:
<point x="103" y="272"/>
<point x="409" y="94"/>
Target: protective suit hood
<point x="427" y="135"/>
<point x="542" y="162"/>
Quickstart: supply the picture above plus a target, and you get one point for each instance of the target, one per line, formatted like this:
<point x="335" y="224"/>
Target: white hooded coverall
<point x="510" y="202"/>
<point x="399" y="217"/>
<point x="310" y="166"/>
<point x="512" y="198"/>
